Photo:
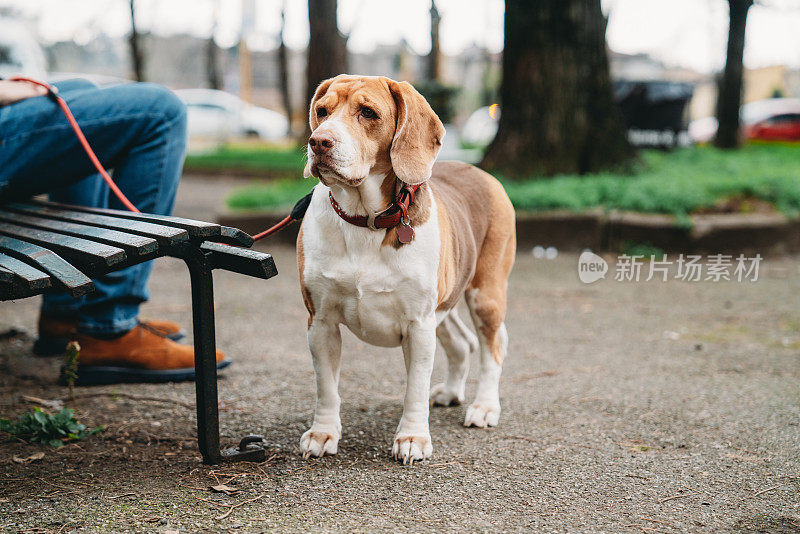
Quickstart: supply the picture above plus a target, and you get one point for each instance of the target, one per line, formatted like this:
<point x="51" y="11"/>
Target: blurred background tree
<point x="730" y="90"/>
<point x="327" y="47"/>
<point x="440" y="96"/>
<point x="212" y="61"/>
<point x="558" y="111"/>
<point x="283" y="67"/>
<point x="134" y="39"/>
<point x="432" y="65"/>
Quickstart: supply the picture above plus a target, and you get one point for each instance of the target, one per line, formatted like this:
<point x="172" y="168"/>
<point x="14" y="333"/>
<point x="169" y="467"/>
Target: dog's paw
<point x="482" y="415"/>
<point x="409" y="449"/>
<point x="441" y="395"/>
<point x="318" y="443"/>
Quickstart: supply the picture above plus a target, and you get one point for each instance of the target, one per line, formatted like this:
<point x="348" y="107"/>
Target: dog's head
<point x="365" y="125"/>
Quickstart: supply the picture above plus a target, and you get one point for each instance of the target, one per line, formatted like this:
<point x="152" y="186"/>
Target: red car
<point x="783" y="127"/>
<point x="774" y="119"/>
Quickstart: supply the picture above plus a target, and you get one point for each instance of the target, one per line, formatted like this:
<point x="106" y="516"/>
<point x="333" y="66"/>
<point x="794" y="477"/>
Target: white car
<point x="20" y="53"/>
<point x="221" y="115"/>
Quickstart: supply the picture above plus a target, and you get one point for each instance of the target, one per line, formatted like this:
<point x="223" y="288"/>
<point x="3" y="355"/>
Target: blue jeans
<point x="139" y="130"/>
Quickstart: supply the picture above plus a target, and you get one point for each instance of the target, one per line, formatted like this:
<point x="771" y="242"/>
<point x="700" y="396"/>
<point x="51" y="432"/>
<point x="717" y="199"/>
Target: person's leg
<point x="133" y="126"/>
<point x="149" y="177"/>
<point x="59" y="310"/>
<point x="140" y="131"/>
<point x="92" y="192"/>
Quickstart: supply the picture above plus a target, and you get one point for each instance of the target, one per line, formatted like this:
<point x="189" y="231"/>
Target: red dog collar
<point x="396" y="214"/>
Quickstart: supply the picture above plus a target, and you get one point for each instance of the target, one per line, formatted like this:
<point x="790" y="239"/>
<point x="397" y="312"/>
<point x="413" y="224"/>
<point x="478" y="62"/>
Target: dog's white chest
<point x="376" y="291"/>
<point x="370" y="301"/>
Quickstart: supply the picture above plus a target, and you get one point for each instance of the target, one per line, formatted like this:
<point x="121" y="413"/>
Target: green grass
<point x="260" y="159"/>
<point x="675" y="183"/>
<point x="281" y="193"/>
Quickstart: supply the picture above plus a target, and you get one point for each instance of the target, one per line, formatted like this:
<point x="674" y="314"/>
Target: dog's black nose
<point x="321" y="143"/>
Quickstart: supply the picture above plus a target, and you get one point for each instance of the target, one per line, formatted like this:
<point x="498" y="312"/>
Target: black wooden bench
<point x="46" y="246"/>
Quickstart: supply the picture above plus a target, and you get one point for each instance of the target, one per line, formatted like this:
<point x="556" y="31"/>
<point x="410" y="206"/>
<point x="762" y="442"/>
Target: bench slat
<point x="6" y="276"/>
<point x="240" y="260"/>
<point x="62" y="271"/>
<point x="164" y="235"/>
<point x="133" y="245"/>
<point x="196" y="229"/>
<point x="29" y="276"/>
<point x="233" y="236"/>
<point x="87" y="253"/>
<point x="15" y="291"/>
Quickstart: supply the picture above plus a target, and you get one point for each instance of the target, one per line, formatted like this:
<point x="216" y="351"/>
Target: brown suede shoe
<point x="54" y="334"/>
<point x="169" y="329"/>
<point x="141" y="355"/>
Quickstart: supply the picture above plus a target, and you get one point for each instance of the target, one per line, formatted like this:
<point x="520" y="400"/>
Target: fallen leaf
<point x="222" y="488"/>
<point x="32" y="458"/>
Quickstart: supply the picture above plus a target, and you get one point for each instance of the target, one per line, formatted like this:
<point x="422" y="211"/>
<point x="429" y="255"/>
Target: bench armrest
<point x="240" y="260"/>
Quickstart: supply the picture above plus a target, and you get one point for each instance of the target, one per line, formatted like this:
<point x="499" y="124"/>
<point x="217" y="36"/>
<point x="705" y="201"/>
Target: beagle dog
<point x="390" y="242"/>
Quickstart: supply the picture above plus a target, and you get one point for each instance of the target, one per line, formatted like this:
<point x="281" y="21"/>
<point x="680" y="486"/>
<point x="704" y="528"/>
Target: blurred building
<point x="475" y="71"/>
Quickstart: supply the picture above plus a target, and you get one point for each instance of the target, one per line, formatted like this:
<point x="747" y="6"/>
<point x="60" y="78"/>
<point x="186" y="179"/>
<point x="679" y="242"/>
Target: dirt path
<point x="627" y="407"/>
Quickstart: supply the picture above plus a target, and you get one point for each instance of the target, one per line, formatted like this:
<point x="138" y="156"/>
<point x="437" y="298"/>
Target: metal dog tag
<point x="405" y="234"/>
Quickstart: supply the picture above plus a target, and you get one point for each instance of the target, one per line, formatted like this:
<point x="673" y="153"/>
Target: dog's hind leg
<point x="325" y="342"/>
<point x="458" y="343"/>
<point x="493" y="338"/>
<point x="486" y="299"/>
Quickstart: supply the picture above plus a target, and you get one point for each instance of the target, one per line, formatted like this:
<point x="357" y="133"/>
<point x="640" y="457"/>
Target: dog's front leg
<point x="325" y="342"/>
<point x="413" y="438"/>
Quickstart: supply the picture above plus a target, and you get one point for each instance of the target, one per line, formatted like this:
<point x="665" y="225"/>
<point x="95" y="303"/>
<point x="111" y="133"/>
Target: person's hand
<point x="12" y="91"/>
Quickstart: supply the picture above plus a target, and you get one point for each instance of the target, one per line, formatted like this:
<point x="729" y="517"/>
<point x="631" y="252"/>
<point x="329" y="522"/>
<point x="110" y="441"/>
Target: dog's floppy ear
<point x="417" y="137"/>
<point x="313" y="121"/>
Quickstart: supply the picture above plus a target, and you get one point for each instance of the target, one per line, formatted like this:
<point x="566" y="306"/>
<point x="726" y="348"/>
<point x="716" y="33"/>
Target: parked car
<point x="784" y="127"/>
<point x="20" y="53"/>
<point x="774" y="119"/>
<point x="219" y="115"/>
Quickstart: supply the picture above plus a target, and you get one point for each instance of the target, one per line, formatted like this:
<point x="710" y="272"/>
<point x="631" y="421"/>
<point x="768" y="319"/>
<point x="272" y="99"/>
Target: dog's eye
<point x="322" y="112"/>
<point x="368" y="113"/>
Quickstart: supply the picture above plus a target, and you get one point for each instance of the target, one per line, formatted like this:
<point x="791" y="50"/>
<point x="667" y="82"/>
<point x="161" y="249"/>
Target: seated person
<point x="139" y="130"/>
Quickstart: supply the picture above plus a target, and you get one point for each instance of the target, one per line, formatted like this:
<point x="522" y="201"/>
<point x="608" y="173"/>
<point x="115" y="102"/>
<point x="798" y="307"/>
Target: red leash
<point x="274" y="229"/>
<point x="52" y="92"/>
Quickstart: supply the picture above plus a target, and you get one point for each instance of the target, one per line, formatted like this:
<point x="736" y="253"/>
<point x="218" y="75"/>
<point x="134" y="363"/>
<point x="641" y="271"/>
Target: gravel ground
<point x="627" y="407"/>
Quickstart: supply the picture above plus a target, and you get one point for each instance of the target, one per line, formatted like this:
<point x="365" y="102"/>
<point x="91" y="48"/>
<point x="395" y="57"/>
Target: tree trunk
<point x="432" y="61"/>
<point x="558" y="110"/>
<point x="730" y="91"/>
<point x="212" y="62"/>
<point x="283" y="67"/>
<point x="327" y="47"/>
<point x="212" y="66"/>
<point x="137" y="59"/>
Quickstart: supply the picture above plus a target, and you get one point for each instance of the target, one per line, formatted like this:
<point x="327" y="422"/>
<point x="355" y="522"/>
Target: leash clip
<point x="371" y="220"/>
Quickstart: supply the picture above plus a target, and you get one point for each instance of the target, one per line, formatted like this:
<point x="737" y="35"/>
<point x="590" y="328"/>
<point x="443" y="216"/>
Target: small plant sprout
<point x="71" y="366"/>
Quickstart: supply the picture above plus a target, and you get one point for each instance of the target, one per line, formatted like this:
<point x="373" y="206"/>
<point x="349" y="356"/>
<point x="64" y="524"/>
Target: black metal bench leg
<point x="205" y="365"/>
<point x="205" y="356"/>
